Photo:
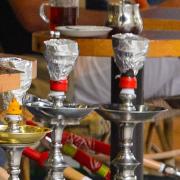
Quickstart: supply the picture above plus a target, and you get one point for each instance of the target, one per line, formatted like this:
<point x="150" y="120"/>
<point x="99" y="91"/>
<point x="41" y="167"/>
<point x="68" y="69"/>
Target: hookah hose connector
<point x="61" y="85"/>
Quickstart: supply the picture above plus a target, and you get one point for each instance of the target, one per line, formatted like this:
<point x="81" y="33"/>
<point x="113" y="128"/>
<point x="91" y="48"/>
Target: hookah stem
<point x="41" y="158"/>
<point x="56" y="137"/>
<point x="83" y="142"/>
<point x="14" y="158"/>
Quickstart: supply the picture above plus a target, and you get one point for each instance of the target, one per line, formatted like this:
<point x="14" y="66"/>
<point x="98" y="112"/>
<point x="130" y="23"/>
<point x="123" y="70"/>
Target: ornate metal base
<point x="125" y="162"/>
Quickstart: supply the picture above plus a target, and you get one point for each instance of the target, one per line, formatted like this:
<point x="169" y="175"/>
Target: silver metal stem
<point x="56" y="161"/>
<point x="13" y="123"/>
<point x="125" y="162"/>
<point x="14" y="159"/>
<point x="127" y="102"/>
<point x="57" y="98"/>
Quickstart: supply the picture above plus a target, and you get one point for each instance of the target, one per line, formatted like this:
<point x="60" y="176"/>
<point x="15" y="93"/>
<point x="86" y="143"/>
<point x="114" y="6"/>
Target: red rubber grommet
<point x="61" y="85"/>
<point x="128" y="82"/>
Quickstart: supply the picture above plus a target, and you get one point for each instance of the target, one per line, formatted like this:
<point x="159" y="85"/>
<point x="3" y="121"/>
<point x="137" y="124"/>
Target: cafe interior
<point x="90" y="89"/>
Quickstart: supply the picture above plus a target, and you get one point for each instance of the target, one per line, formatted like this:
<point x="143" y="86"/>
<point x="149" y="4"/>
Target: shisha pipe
<point x="13" y="136"/>
<point x="61" y="55"/>
<point x="130" y="51"/>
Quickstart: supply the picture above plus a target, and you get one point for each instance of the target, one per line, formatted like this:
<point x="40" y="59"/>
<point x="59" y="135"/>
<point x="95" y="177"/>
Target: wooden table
<point x="162" y="44"/>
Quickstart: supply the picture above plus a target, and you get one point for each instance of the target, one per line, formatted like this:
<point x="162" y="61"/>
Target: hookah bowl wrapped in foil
<point x="130" y="51"/>
<point x="25" y="67"/>
<point x="61" y="55"/>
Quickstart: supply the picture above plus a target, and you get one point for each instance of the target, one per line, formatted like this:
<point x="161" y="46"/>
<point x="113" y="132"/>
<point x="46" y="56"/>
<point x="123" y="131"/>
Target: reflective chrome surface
<point x="27" y="135"/>
<point x="14" y="153"/>
<point x="142" y="113"/>
<point x="67" y="113"/>
<point x="124" y="18"/>
<point x="125" y="162"/>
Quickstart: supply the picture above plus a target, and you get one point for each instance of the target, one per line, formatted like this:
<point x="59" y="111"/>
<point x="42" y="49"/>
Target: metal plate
<point x="44" y="109"/>
<point x="142" y="113"/>
<point x="68" y="111"/>
<point x="27" y="135"/>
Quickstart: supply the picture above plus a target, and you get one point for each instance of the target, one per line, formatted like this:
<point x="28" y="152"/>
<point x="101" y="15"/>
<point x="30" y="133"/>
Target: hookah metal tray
<point x="141" y="113"/>
<point x="43" y="108"/>
<point x="27" y="135"/>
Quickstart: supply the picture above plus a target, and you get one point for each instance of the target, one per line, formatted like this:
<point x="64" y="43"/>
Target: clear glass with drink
<point x="61" y="13"/>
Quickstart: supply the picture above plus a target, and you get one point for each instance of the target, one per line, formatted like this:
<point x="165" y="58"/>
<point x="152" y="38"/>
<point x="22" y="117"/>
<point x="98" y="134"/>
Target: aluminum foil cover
<point x="25" y="78"/>
<point x="130" y="51"/>
<point x="61" y="55"/>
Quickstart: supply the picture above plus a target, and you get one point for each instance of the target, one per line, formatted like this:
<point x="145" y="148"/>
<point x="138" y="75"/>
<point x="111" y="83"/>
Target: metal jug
<point x="124" y="17"/>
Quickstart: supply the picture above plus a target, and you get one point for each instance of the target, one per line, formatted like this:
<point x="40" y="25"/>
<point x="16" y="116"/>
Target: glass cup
<point x="61" y="13"/>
